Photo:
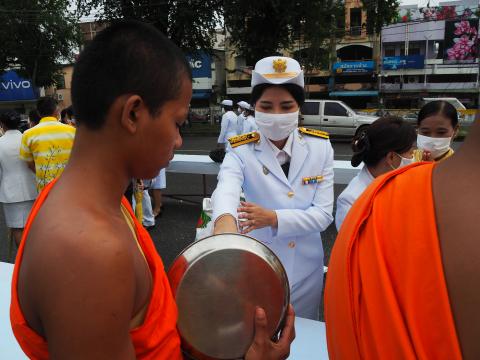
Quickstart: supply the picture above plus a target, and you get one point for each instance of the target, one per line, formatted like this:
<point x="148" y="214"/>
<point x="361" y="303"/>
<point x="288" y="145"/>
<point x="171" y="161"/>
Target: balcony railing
<point x="430" y="86"/>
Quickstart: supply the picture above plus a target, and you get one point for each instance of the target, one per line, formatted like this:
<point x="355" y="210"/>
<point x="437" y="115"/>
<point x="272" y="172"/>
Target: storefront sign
<point x="354" y="67"/>
<point x="200" y="64"/>
<point x="15" y="88"/>
<point x="403" y="62"/>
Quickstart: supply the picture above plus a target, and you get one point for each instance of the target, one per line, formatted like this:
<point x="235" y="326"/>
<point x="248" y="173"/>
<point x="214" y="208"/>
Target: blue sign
<point x="354" y="66"/>
<point x="403" y="62"/>
<point x="200" y="63"/>
<point x="15" y="88"/>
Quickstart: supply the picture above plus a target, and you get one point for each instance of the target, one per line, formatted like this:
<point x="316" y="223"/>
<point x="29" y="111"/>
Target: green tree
<point x="37" y="37"/>
<point x="380" y="13"/>
<point x="190" y="24"/>
<point x="261" y="28"/>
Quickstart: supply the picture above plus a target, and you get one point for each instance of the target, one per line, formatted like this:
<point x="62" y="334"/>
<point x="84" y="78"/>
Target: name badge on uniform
<point x="312" y="180"/>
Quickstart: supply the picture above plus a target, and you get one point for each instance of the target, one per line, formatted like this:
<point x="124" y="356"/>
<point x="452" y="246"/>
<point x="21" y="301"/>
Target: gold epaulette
<point x="244" y="139"/>
<point x="314" y="132"/>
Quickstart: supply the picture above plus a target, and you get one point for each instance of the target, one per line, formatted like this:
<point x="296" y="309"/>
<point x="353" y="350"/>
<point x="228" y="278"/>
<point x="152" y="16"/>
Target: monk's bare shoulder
<point x="77" y="277"/>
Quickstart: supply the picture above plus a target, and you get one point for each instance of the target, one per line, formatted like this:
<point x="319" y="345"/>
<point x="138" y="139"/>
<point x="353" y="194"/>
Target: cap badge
<point x="279" y="65"/>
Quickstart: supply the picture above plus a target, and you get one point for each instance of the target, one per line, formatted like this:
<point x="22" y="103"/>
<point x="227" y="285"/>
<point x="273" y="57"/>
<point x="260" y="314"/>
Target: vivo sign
<point x="15" y="88"/>
<point x="10" y="85"/>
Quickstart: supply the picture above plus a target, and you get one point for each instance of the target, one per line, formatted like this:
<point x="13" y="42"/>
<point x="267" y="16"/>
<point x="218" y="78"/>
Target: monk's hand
<point x="263" y="348"/>
<point x="252" y="216"/>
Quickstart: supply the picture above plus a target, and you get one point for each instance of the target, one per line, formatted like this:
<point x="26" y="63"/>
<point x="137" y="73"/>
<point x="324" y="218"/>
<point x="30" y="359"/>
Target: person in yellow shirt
<point x="437" y="127"/>
<point x="46" y="147"/>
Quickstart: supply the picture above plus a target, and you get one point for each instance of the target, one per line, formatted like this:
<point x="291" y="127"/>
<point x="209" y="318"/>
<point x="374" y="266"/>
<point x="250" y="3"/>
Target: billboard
<point x="403" y="62"/>
<point x="461" y="41"/>
<point x="15" y="88"/>
<point x="200" y="64"/>
<point x="348" y="67"/>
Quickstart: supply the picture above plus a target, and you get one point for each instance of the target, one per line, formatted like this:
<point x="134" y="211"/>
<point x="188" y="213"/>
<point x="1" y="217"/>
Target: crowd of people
<point x="402" y="275"/>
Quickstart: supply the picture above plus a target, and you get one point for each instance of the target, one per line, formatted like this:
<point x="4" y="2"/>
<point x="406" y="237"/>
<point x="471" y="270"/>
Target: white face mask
<point x="276" y="126"/>
<point x="436" y="146"/>
<point x="403" y="161"/>
<point x="239" y="110"/>
<point x="223" y="110"/>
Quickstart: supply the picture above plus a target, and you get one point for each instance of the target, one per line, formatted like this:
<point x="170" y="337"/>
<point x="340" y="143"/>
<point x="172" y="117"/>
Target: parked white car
<point x="334" y="117"/>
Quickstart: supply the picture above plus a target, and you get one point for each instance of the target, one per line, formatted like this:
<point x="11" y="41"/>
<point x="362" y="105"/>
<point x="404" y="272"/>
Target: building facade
<point x="433" y="52"/>
<point x="354" y="74"/>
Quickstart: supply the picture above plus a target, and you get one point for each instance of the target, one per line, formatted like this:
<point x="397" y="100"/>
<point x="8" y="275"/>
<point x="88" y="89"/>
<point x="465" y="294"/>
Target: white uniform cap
<point x="277" y="70"/>
<point x="227" y="102"/>
<point x="244" y="105"/>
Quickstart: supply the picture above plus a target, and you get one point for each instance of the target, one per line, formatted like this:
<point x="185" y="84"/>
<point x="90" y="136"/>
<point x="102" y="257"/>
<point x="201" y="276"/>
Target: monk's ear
<point x="132" y="114"/>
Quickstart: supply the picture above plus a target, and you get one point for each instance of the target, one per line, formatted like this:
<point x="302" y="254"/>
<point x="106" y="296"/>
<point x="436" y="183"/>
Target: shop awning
<point x="355" y="93"/>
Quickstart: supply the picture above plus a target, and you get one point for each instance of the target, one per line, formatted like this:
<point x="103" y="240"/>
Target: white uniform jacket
<point x="303" y="211"/>
<point x="351" y="193"/>
<point x="228" y="127"/>
<point x="249" y="125"/>
<point x="240" y="121"/>
<point x="17" y="181"/>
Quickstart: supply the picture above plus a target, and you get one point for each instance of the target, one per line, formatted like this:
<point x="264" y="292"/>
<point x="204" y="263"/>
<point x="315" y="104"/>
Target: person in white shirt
<point x="229" y="123"/>
<point x="386" y="145"/>
<point x="17" y="182"/>
<point x="242" y="106"/>
<point x="286" y="174"/>
<point x="249" y="124"/>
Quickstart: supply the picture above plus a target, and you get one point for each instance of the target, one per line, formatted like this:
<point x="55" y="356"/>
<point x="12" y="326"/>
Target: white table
<point x="9" y="348"/>
<point x="344" y="172"/>
<point x="309" y="344"/>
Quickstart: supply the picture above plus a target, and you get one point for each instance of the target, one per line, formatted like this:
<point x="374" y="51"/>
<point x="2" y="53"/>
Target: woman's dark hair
<point x="10" y="119"/>
<point x="297" y="92"/>
<point x="128" y="57"/>
<point x="389" y="133"/>
<point x="439" y="107"/>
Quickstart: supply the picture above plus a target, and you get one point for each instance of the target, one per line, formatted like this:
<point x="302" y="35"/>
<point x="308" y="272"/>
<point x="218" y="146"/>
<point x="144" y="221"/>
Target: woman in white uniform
<point x="249" y="125"/>
<point x="228" y="126"/>
<point x="286" y="174"/>
<point x="386" y="145"/>
<point x="17" y="181"/>
<point x="242" y="106"/>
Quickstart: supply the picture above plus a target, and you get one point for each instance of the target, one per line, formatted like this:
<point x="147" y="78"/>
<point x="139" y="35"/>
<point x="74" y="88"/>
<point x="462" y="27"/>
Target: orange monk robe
<point x="386" y="296"/>
<point x="156" y="339"/>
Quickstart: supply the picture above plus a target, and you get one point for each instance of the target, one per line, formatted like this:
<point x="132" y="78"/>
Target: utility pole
<point x="333" y="51"/>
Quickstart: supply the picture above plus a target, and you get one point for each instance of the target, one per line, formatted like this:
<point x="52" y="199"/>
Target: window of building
<point x="240" y="62"/>
<point x="390" y="51"/>
<point x="355" y="21"/>
<point x="60" y="82"/>
<point x="414" y="50"/>
<point x="334" y="109"/>
<point x="310" y="108"/>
